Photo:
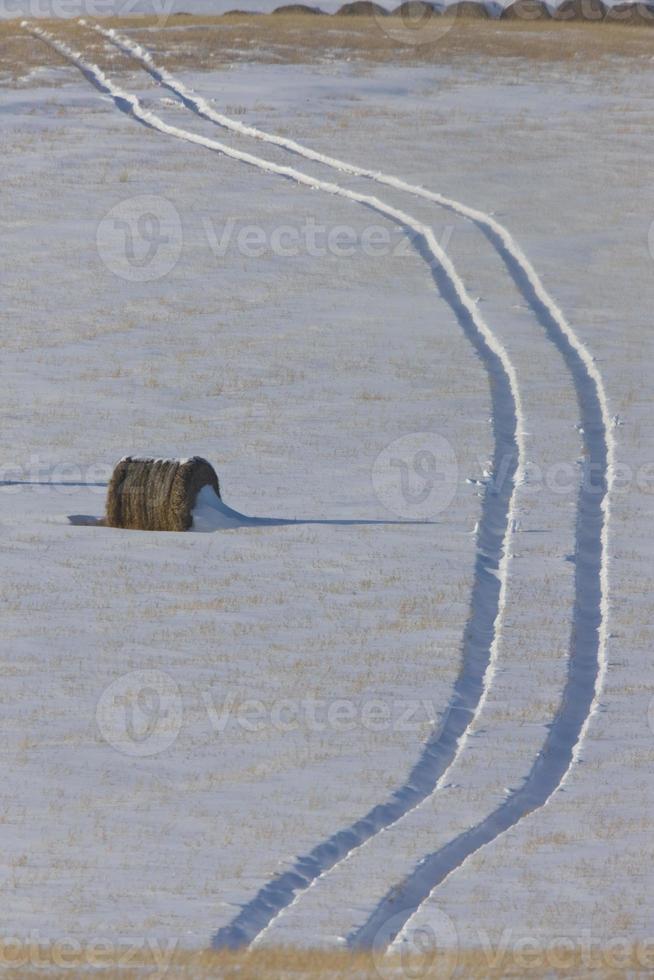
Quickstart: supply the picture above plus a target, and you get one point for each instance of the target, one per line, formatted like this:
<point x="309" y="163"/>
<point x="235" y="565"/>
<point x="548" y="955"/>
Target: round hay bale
<point x="157" y="494"/>
<point x="466" y="8"/>
<point x="592" y="10"/>
<point x="297" y="8"/>
<point x="362" y="8"/>
<point x="417" y="23"/>
<point x="630" y="13"/>
<point x="526" y="10"/>
<point x="416" y="10"/>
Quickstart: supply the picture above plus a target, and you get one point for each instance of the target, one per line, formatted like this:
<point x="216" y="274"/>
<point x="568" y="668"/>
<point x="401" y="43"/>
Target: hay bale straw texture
<point x="362" y="8"/>
<point x="526" y="10"/>
<point x="157" y="494"/>
<point x="592" y="10"/>
<point x="630" y="13"/>
<point x="466" y="8"/>
<point x="297" y="8"/>
<point x="416" y="10"/>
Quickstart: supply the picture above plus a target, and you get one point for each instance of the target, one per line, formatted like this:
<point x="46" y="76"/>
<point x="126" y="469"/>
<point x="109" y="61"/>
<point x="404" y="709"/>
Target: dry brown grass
<point x="157" y="494"/>
<point x="69" y="960"/>
<point x="197" y="42"/>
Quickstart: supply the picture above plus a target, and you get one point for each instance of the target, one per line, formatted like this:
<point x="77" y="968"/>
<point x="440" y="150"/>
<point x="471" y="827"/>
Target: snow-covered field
<point x="251" y="734"/>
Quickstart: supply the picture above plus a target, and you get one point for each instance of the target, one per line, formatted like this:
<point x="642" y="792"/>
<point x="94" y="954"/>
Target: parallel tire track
<point x="586" y="669"/>
<point x="493" y="542"/>
<point x="588" y="648"/>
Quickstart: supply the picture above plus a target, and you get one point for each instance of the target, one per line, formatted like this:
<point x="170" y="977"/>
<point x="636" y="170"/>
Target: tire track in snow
<point x="588" y="656"/>
<point x="494" y="536"/>
<point x="587" y="663"/>
<point x="587" y="666"/>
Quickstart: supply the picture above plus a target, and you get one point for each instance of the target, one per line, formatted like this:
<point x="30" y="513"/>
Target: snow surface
<point x="291" y="374"/>
<point x="211" y="514"/>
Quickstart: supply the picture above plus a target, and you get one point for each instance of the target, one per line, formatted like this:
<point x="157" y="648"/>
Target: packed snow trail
<point x="483" y="630"/>
<point x="588" y="659"/>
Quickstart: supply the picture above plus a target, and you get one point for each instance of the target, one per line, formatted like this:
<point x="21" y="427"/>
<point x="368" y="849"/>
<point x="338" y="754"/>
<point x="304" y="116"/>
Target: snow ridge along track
<point x="588" y="656"/>
<point x="493" y="541"/>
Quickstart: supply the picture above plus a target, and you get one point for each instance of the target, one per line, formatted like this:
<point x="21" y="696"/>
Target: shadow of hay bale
<point x="86" y="520"/>
<point x="157" y="494"/>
